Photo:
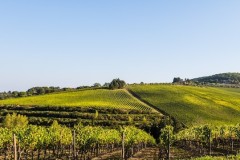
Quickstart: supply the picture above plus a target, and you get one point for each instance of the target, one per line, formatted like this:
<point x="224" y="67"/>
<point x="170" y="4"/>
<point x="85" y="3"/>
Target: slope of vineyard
<point x="104" y="107"/>
<point x="86" y="98"/>
<point x="193" y="105"/>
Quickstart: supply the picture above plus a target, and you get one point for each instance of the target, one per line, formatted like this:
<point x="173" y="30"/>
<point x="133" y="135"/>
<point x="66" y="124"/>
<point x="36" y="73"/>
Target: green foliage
<point x="33" y="137"/>
<point x="206" y="132"/>
<point x="145" y="121"/>
<point x="5" y="137"/>
<point x="60" y="134"/>
<point x="212" y="137"/>
<point x="15" y="121"/>
<point x="134" y="136"/>
<point x="96" y="115"/>
<point x="203" y="134"/>
<point x="167" y="136"/>
<point x="58" y="137"/>
<point x="91" y="136"/>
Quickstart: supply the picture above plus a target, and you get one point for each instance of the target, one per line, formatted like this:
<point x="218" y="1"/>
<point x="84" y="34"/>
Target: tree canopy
<point x="117" y="84"/>
<point x="225" y="78"/>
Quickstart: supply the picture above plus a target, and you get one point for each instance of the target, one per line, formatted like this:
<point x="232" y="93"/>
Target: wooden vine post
<point x="15" y="147"/>
<point x="168" y="145"/>
<point x="123" y="147"/>
<point x="74" y="145"/>
<point x="210" y="144"/>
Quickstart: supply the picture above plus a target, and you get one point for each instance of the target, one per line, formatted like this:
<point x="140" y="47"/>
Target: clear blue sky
<point x="73" y="43"/>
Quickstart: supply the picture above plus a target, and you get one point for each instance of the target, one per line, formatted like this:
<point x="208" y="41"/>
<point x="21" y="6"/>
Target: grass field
<point x="98" y="98"/>
<point x="193" y="105"/>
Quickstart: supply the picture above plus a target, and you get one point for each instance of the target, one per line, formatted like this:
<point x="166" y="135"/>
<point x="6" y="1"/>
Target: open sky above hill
<point x="73" y="43"/>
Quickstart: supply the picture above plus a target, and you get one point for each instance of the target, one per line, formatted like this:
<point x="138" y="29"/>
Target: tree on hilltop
<point x="177" y="80"/>
<point x="117" y="84"/>
<point x="97" y="85"/>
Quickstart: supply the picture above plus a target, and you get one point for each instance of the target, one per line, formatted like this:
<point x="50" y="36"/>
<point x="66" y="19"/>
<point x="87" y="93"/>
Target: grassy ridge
<point x="99" y="98"/>
<point x="193" y="105"/>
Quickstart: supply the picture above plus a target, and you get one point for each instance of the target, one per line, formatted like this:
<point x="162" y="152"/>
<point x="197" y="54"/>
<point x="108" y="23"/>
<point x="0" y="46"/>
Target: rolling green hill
<point x="114" y="107"/>
<point x="100" y="98"/>
<point x="187" y="104"/>
<point x="193" y="105"/>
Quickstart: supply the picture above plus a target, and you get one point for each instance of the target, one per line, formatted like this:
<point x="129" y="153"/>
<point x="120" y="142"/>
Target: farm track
<point x="151" y="153"/>
<point x="116" y="155"/>
<point x="178" y="153"/>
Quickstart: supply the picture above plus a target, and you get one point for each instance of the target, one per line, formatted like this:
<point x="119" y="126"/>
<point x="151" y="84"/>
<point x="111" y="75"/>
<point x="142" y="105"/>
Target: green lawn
<point x="119" y="99"/>
<point x="194" y="105"/>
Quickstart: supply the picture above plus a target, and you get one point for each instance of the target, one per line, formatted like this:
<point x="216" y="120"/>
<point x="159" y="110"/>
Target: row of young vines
<point x="202" y="140"/>
<point x="80" y="142"/>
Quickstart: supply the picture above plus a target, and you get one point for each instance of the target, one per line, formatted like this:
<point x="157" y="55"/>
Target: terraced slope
<point x="115" y="107"/>
<point x="193" y="105"/>
<point x="100" y="98"/>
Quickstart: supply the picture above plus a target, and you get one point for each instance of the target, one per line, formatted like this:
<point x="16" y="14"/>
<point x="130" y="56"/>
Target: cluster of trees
<point x="177" y="80"/>
<point x="223" y="78"/>
<point x="219" y="80"/>
<point x="186" y="81"/>
<point x="117" y="84"/>
<point x="33" y="91"/>
<point x="40" y="91"/>
<point x="58" y="141"/>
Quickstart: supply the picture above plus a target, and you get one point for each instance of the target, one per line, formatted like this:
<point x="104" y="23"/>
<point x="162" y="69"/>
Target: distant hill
<point x="223" y="78"/>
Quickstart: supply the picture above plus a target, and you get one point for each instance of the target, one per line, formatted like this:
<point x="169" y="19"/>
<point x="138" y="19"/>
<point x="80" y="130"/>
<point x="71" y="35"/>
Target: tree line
<point x="115" y="84"/>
